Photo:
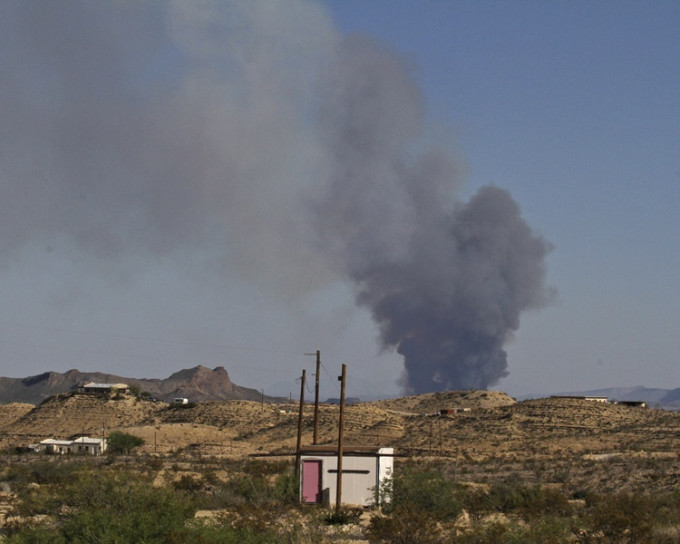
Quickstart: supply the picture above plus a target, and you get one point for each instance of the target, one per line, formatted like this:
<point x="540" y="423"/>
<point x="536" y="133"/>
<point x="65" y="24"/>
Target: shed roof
<point x="371" y="451"/>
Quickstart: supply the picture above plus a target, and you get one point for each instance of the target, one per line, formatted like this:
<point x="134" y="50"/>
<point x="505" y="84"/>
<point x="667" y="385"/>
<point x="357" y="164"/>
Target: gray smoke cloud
<point x="252" y="139"/>
<point x="445" y="280"/>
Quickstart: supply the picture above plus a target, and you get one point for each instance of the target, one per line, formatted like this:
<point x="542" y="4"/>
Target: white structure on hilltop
<point x="592" y="398"/>
<point x="103" y="388"/>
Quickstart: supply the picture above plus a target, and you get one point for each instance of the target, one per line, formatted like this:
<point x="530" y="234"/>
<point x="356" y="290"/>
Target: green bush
<point x="106" y="508"/>
<point x="206" y="533"/>
<point x="36" y="534"/>
<point x="526" y="501"/>
<point x="548" y="531"/>
<point x="188" y="483"/>
<point x="122" y="443"/>
<point x="125" y="509"/>
<point x="667" y="509"/>
<point x="287" y="488"/>
<point x="408" y="527"/>
<point x="413" y="503"/>
<point x="622" y="517"/>
<point x="344" y="516"/>
<point x="244" y="490"/>
<point x="81" y="503"/>
<point x="423" y="491"/>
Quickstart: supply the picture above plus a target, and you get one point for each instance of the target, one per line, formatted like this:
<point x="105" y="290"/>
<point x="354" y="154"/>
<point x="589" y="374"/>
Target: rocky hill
<point x="484" y="436"/>
<point x="429" y="403"/>
<point x="198" y="384"/>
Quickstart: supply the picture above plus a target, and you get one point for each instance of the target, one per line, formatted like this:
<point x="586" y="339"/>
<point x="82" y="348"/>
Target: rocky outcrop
<point x="198" y="384"/>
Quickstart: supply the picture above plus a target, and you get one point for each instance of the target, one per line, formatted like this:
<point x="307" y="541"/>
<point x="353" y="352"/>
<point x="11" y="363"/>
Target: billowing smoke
<point x="249" y="139"/>
<point x="446" y="281"/>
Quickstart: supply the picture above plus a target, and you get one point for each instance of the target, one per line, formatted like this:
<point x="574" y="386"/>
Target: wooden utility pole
<point x="341" y="426"/>
<point x="316" y="396"/>
<point x="299" y="433"/>
<point x="439" y="420"/>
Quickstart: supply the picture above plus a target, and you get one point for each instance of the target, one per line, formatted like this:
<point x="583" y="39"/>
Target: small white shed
<point x="363" y="470"/>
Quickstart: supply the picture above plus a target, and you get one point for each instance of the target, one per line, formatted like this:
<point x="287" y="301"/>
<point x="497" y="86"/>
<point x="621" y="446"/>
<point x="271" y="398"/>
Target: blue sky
<point x="125" y="252"/>
<point x="574" y="107"/>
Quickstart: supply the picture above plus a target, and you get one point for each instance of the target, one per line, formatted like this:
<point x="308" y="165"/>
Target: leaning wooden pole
<point x="316" y="398"/>
<point x="341" y="426"/>
<point x="298" y="448"/>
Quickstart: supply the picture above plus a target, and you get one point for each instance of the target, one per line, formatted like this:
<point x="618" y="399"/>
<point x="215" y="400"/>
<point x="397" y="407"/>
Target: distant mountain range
<point x="204" y="384"/>
<point x="197" y="384"/>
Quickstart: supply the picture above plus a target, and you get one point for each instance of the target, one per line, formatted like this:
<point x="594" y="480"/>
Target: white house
<point x="92" y="446"/>
<point x="103" y="388"/>
<point x="82" y="445"/>
<point x="363" y="471"/>
<point x="50" y="445"/>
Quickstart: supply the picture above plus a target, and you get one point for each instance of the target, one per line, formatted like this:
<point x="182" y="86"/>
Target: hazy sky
<point x="189" y="183"/>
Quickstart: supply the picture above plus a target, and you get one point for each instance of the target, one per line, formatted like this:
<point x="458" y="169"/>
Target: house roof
<point x="94" y="385"/>
<point x="88" y="440"/>
<point x="53" y="442"/>
<point x="81" y="440"/>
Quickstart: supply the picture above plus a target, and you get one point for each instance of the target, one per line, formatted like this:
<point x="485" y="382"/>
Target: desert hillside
<point x="9" y="413"/>
<point x="485" y="434"/>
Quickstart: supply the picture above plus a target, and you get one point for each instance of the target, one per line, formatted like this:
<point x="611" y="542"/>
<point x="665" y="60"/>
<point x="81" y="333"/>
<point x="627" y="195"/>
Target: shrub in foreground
<point x="104" y="507"/>
<point x="415" y="501"/>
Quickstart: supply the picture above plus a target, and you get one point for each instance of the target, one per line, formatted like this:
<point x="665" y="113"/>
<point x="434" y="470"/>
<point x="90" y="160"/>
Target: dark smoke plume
<point x="221" y="148"/>
<point x="446" y="281"/>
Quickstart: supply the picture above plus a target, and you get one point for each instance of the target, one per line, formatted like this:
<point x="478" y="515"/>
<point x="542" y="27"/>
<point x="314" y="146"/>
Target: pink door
<point x="311" y="481"/>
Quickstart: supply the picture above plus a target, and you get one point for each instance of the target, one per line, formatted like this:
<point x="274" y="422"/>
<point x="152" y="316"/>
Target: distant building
<point x="103" y="388"/>
<point x="51" y="445"/>
<point x="449" y="411"/>
<point x="634" y="403"/>
<point x="82" y="445"/>
<point x="363" y="470"/>
<point x="582" y="397"/>
<point x="92" y="446"/>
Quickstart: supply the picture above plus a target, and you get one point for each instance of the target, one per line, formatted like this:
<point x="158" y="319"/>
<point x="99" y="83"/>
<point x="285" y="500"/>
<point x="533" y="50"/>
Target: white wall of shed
<point x="357" y="489"/>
